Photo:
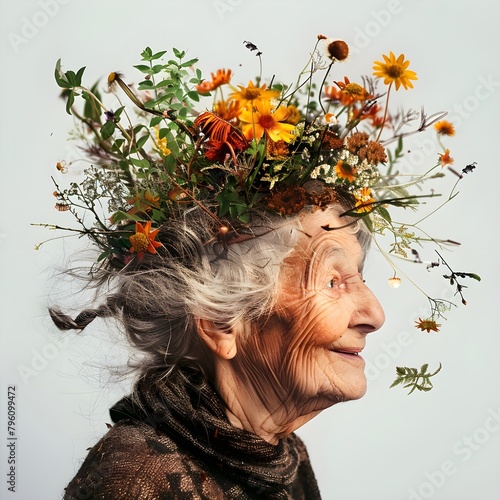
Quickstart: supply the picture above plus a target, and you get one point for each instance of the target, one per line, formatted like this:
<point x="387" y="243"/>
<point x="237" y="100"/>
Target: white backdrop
<point x="388" y="446"/>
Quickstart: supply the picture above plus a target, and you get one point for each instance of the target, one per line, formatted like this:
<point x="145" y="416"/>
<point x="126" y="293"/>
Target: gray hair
<point x="158" y="299"/>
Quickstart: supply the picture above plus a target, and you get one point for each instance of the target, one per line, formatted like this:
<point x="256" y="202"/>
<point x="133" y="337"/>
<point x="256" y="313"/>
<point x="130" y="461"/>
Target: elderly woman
<point x="232" y="252"/>
<point x="245" y="343"/>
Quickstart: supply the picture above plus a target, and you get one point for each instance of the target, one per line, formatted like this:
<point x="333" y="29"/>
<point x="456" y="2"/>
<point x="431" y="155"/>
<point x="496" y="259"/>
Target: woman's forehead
<point x="322" y="242"/>
<point x="327" y="229"/>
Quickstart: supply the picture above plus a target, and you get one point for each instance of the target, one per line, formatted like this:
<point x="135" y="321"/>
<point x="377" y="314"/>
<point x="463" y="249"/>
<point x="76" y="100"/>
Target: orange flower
<point x="144" y="239"/>
<point x="351" y="92"/>
<point x="345" y="171"/>
<point x="213" y="126"/>
<point x="332" y="93"/>
<point x="222" y="137"/>
<point x="221" y="77"/>
<point x="395" y="70"/>
<point x="144" y="202"/>
<point x="427" y="325"/>
<point x="227" y="110"/>
<point x="446" y="159"/>
<point x="444" y="127"/>
<point x="264" y="121"/>
<point x="373" y="114"/>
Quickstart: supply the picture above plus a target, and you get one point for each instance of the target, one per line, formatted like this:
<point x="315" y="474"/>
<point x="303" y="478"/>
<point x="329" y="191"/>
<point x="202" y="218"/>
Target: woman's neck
<point x="254" y="408"/>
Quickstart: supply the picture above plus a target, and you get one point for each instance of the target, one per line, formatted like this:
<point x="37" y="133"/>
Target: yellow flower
<point x="395" y="71"/>
<point x="262" y="120"/>
<point x="364" y="198"/>
<point x="144" y="239"/>
<point x="345" y="171"/>
<point x="444" y="127"/>
<point x="161" y="143"/>
<point x="251" y="94"/>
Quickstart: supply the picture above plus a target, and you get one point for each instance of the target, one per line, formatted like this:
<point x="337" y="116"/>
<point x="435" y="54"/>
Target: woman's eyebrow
<point x="334" y="252"/>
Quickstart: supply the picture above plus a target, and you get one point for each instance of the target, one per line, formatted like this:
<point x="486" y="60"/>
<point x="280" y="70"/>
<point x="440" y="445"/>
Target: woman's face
<point x="309" y="351"/>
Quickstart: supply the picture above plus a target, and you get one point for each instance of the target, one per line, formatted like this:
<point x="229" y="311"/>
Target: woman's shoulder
<point x="135" y="460"/>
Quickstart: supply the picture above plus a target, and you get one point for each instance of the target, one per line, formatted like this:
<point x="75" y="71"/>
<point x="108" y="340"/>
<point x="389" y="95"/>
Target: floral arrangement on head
<point x="181" y="141"/>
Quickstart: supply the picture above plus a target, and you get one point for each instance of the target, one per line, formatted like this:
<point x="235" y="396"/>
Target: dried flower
<point x="337" y="50"/>
<point x="394" y="282"/>
<point x="427" y="325"/>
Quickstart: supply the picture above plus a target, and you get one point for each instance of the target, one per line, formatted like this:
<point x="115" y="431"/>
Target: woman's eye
<point x="332" y="283"/>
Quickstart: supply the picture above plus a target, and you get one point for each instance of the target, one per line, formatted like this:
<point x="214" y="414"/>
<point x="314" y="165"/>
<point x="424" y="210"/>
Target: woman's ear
<point x="218" y="339"/>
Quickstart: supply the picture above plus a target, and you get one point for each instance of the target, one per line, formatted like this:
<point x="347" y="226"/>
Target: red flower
<point x="222" y="137"/>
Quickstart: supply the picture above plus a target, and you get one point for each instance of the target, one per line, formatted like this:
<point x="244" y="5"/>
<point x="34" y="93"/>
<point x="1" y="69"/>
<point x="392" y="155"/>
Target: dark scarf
<point x="192" y="414"/>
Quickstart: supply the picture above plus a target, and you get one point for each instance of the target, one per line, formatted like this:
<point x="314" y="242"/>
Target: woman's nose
<point x="369" y="315"/>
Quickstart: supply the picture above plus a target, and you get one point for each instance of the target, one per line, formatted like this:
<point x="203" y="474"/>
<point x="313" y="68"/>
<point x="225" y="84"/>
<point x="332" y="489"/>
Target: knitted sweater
<point x="172" y="440"/>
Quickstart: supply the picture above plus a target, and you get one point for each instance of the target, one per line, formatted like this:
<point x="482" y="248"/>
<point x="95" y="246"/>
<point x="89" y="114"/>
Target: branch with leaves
<point x="415" y="379"/>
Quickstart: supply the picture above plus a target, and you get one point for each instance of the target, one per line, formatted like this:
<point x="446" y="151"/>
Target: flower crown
<point x="182" y="141"/>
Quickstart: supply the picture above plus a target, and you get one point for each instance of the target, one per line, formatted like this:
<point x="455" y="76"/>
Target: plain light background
<point x="388" y="446"/>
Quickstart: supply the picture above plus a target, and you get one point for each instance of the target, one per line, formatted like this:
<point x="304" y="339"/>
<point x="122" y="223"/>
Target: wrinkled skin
<point x="305" y="357"/>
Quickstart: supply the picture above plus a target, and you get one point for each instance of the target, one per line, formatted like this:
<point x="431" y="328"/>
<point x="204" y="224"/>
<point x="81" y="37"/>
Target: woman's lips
<point x="352" y="354"/>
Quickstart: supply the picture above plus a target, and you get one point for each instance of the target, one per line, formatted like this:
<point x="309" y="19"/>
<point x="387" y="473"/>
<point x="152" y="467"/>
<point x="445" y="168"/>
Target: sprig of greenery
<point x="414" y="378"/>
<point x="453" y="279"/>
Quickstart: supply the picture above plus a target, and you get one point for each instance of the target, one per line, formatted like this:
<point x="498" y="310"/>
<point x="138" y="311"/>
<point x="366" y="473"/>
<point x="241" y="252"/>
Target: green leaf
<point x="194" y="96"/>
<point x="158" y="55"/>
<point x="155" y="121"/>
<point x="92" y="110"/>
<point x="140" y="163"/>
<point x="414" y="379"/>
<point x="71" y="77"/>
<point x="103" y="256"/>
<point x="157" y="68"/>
<point x="179" y="95"/>
<point x="145" y="85"/>
<point x="141" y="141"/>
<point x="60" y="77"/>
<point x="384" y="213"/>
<point x="146" y="54"/>
<point x="70" y="101"/>
<point x="396" y="382"/>
<point x="79" y="75"/>
<point x="119" y="112"/>
<point x="189" y="63"/>
<point x="144" y="68"/>
<point x="107" y="130"/>
<point x="169" y="164"/>
<point x="120" y="216"/>
<point x="178" y="53"/>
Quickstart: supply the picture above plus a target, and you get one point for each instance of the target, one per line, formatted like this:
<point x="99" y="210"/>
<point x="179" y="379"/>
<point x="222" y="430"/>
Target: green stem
<point x="385" y="111"/>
